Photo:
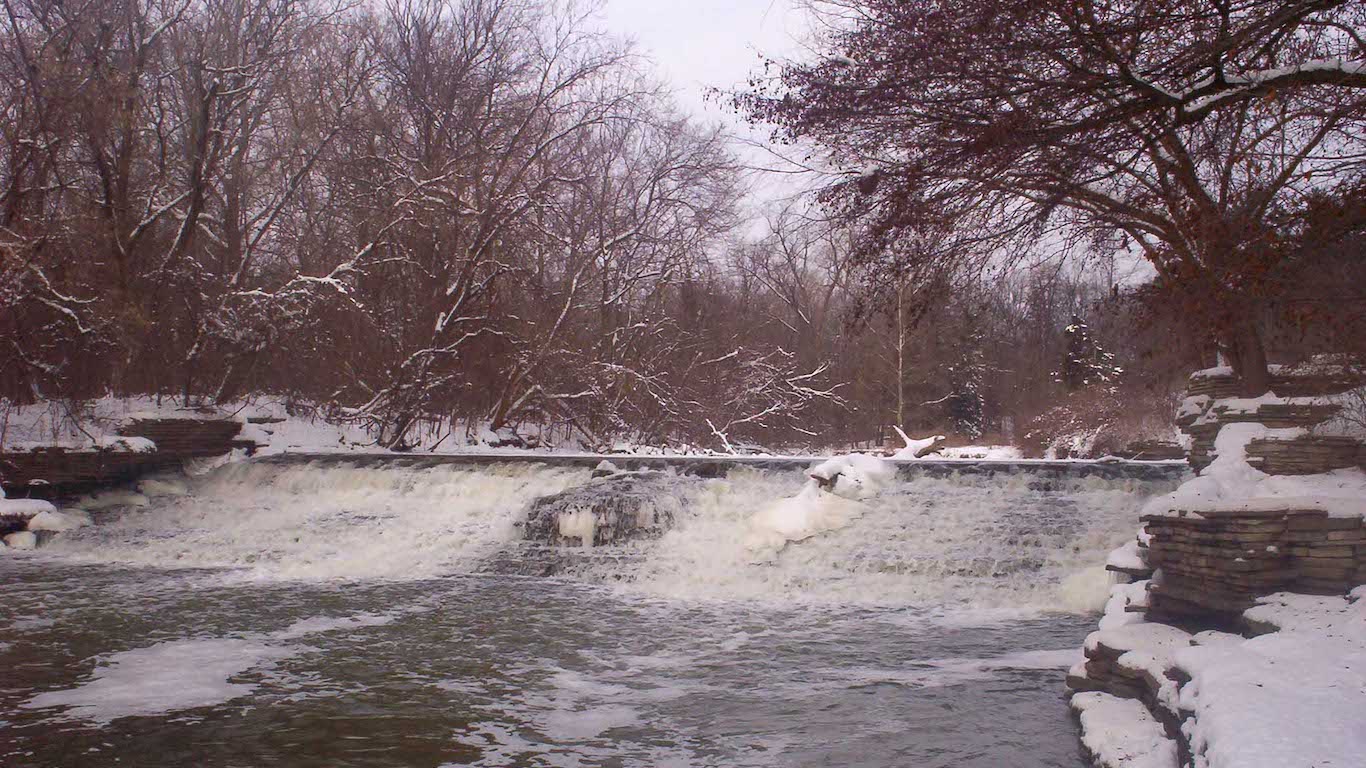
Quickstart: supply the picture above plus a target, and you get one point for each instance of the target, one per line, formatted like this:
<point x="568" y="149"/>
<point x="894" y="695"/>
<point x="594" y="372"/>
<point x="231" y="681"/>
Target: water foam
<point x="971" y="542"/>
<point x="324" y="522"/>
<point x="965" y="542"/>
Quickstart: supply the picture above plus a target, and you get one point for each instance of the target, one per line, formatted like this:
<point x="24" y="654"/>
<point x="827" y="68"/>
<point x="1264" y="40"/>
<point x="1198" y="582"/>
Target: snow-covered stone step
<point x="1121" y="733"/>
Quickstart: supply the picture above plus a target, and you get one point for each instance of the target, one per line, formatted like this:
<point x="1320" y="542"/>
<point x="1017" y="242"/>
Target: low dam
<point x="271" y="605"/>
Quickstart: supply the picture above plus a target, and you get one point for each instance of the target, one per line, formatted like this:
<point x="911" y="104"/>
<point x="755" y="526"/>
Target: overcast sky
<point x="697" y="44"/>
<point x="700" y="43"/>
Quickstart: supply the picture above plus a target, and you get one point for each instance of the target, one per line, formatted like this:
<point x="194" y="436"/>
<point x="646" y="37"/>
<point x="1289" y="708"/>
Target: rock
<point x="604" y="468"/>
<point x="15" y="514"/>
<point x="609" y="510"/>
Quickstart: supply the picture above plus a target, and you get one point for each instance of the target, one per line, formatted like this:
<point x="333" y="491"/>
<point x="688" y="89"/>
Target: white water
<point x="323" y="522"/>
<point x="980" y="542"/>
<point x="968" y="541"/>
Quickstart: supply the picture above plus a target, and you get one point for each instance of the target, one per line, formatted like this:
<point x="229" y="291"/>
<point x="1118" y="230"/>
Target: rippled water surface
<point x="267" y="621"/>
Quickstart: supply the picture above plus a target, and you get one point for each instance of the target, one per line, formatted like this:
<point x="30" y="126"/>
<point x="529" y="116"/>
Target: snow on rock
<point x="829" y="501"/>
<point x="1192" y="406"/>
<point x="1215" y="637"/>
<point x="799" y="517"/>
<point x="1139" y="636"/>
<point x="123" y="444"/>
<point x="854" y="476"/>
<point x="1155" y="665"/>
<point x="916" y="449"/>
<point x="986" y="452"/>
<point x="1121" y="733"/>
<point x="21" y="540"/>
<point x="605" y="468"/>
<point x="1127" y="558"/>
<point x="1230" y="484"/>
<point x="1144" y="538"/>
<point x="23" y="507"/>
<point x="65" y="520"/>
<point x="1211" y="373"/>
<point x="1121" y="597"/>
<point x="1291" y="698"/>
<point x="255" y="433"/>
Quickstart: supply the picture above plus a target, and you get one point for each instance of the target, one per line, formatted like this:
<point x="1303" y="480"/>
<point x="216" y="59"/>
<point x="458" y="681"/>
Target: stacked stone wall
<point x="51" y="472"/>
<point x="1215" y="565"/>
<point x="1309" y="455"/>
<point x="1205" y="567"/>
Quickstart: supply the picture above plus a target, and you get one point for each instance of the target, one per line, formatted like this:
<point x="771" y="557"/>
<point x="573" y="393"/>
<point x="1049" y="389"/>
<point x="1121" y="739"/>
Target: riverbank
<point x="1241" y="640"/>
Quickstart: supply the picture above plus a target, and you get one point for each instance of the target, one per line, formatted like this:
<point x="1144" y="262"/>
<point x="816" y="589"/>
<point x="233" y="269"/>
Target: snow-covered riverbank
<point x="1290" y="696"/>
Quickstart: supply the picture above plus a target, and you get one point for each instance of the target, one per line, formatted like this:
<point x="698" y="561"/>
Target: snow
<point x="1287" y="699"/>
<point x="1144" y="538"/>
<point x="1230" y="484"/>
<point x="1211" y="373"/>
<point x="1128" y="557"/>
<point x="23" y="507"/>
<point x="91" y="426"/>
<point x="915" y="448"/>
<point x="1139" y="636"/>
<point x="1121" y="733"/>
<point x="123" y="444"/>
<point x="1155" y="664"/>
<point x="1290" y="698"/>
<point x="1121" y="597"/>
<point x="1213" y="637"/>
<point x="1193" y="406"/>
<point x="828" y="502"/>
<point x="21" y="540"/>
<point x="987" y="452"/>
<point x="854" y="476"/>
<point x="59" y="521"/>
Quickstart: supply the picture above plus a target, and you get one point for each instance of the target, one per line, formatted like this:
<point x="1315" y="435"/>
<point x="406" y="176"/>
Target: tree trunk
<point x="1247" y="355"/>
<point x="900" y="356"/>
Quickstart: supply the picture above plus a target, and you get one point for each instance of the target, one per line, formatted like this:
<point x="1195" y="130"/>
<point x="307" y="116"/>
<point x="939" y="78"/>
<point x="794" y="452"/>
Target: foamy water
<point x="321" y="522"/>
<point x="1003" y="542"/>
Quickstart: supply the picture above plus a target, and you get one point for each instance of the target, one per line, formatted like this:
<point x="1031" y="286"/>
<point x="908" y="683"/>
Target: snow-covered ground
<point x="1230" y="484"/>
<point x="90" y="426"/>
<point x="94" y="426"/>
<point x="1292" y="698"/>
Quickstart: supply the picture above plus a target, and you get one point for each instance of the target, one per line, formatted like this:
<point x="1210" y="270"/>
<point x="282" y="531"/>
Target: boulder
<point x="610" y="509"/>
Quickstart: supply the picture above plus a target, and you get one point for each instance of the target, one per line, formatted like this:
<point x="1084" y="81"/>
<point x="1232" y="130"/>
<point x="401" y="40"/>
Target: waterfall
<point x="951" y="540"/>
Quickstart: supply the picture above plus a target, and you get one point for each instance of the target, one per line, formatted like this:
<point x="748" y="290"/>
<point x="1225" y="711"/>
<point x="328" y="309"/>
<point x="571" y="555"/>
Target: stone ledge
<point x="1310" y="455"/>
<point x="55" y="471"/>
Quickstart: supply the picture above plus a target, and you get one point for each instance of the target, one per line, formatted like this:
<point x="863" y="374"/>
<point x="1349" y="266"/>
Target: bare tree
<point x="1192" y="129"/>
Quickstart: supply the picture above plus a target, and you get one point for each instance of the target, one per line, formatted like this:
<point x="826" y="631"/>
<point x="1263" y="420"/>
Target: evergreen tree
<point x="1086" y="362"/>
<point x="966" y="376"/>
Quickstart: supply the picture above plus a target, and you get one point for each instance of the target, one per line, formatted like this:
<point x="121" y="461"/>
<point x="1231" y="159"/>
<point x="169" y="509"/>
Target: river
<point x="332" y="615"/>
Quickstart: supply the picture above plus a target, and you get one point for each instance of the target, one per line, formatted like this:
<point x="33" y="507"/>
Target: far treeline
<point x="426" y="215"/>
